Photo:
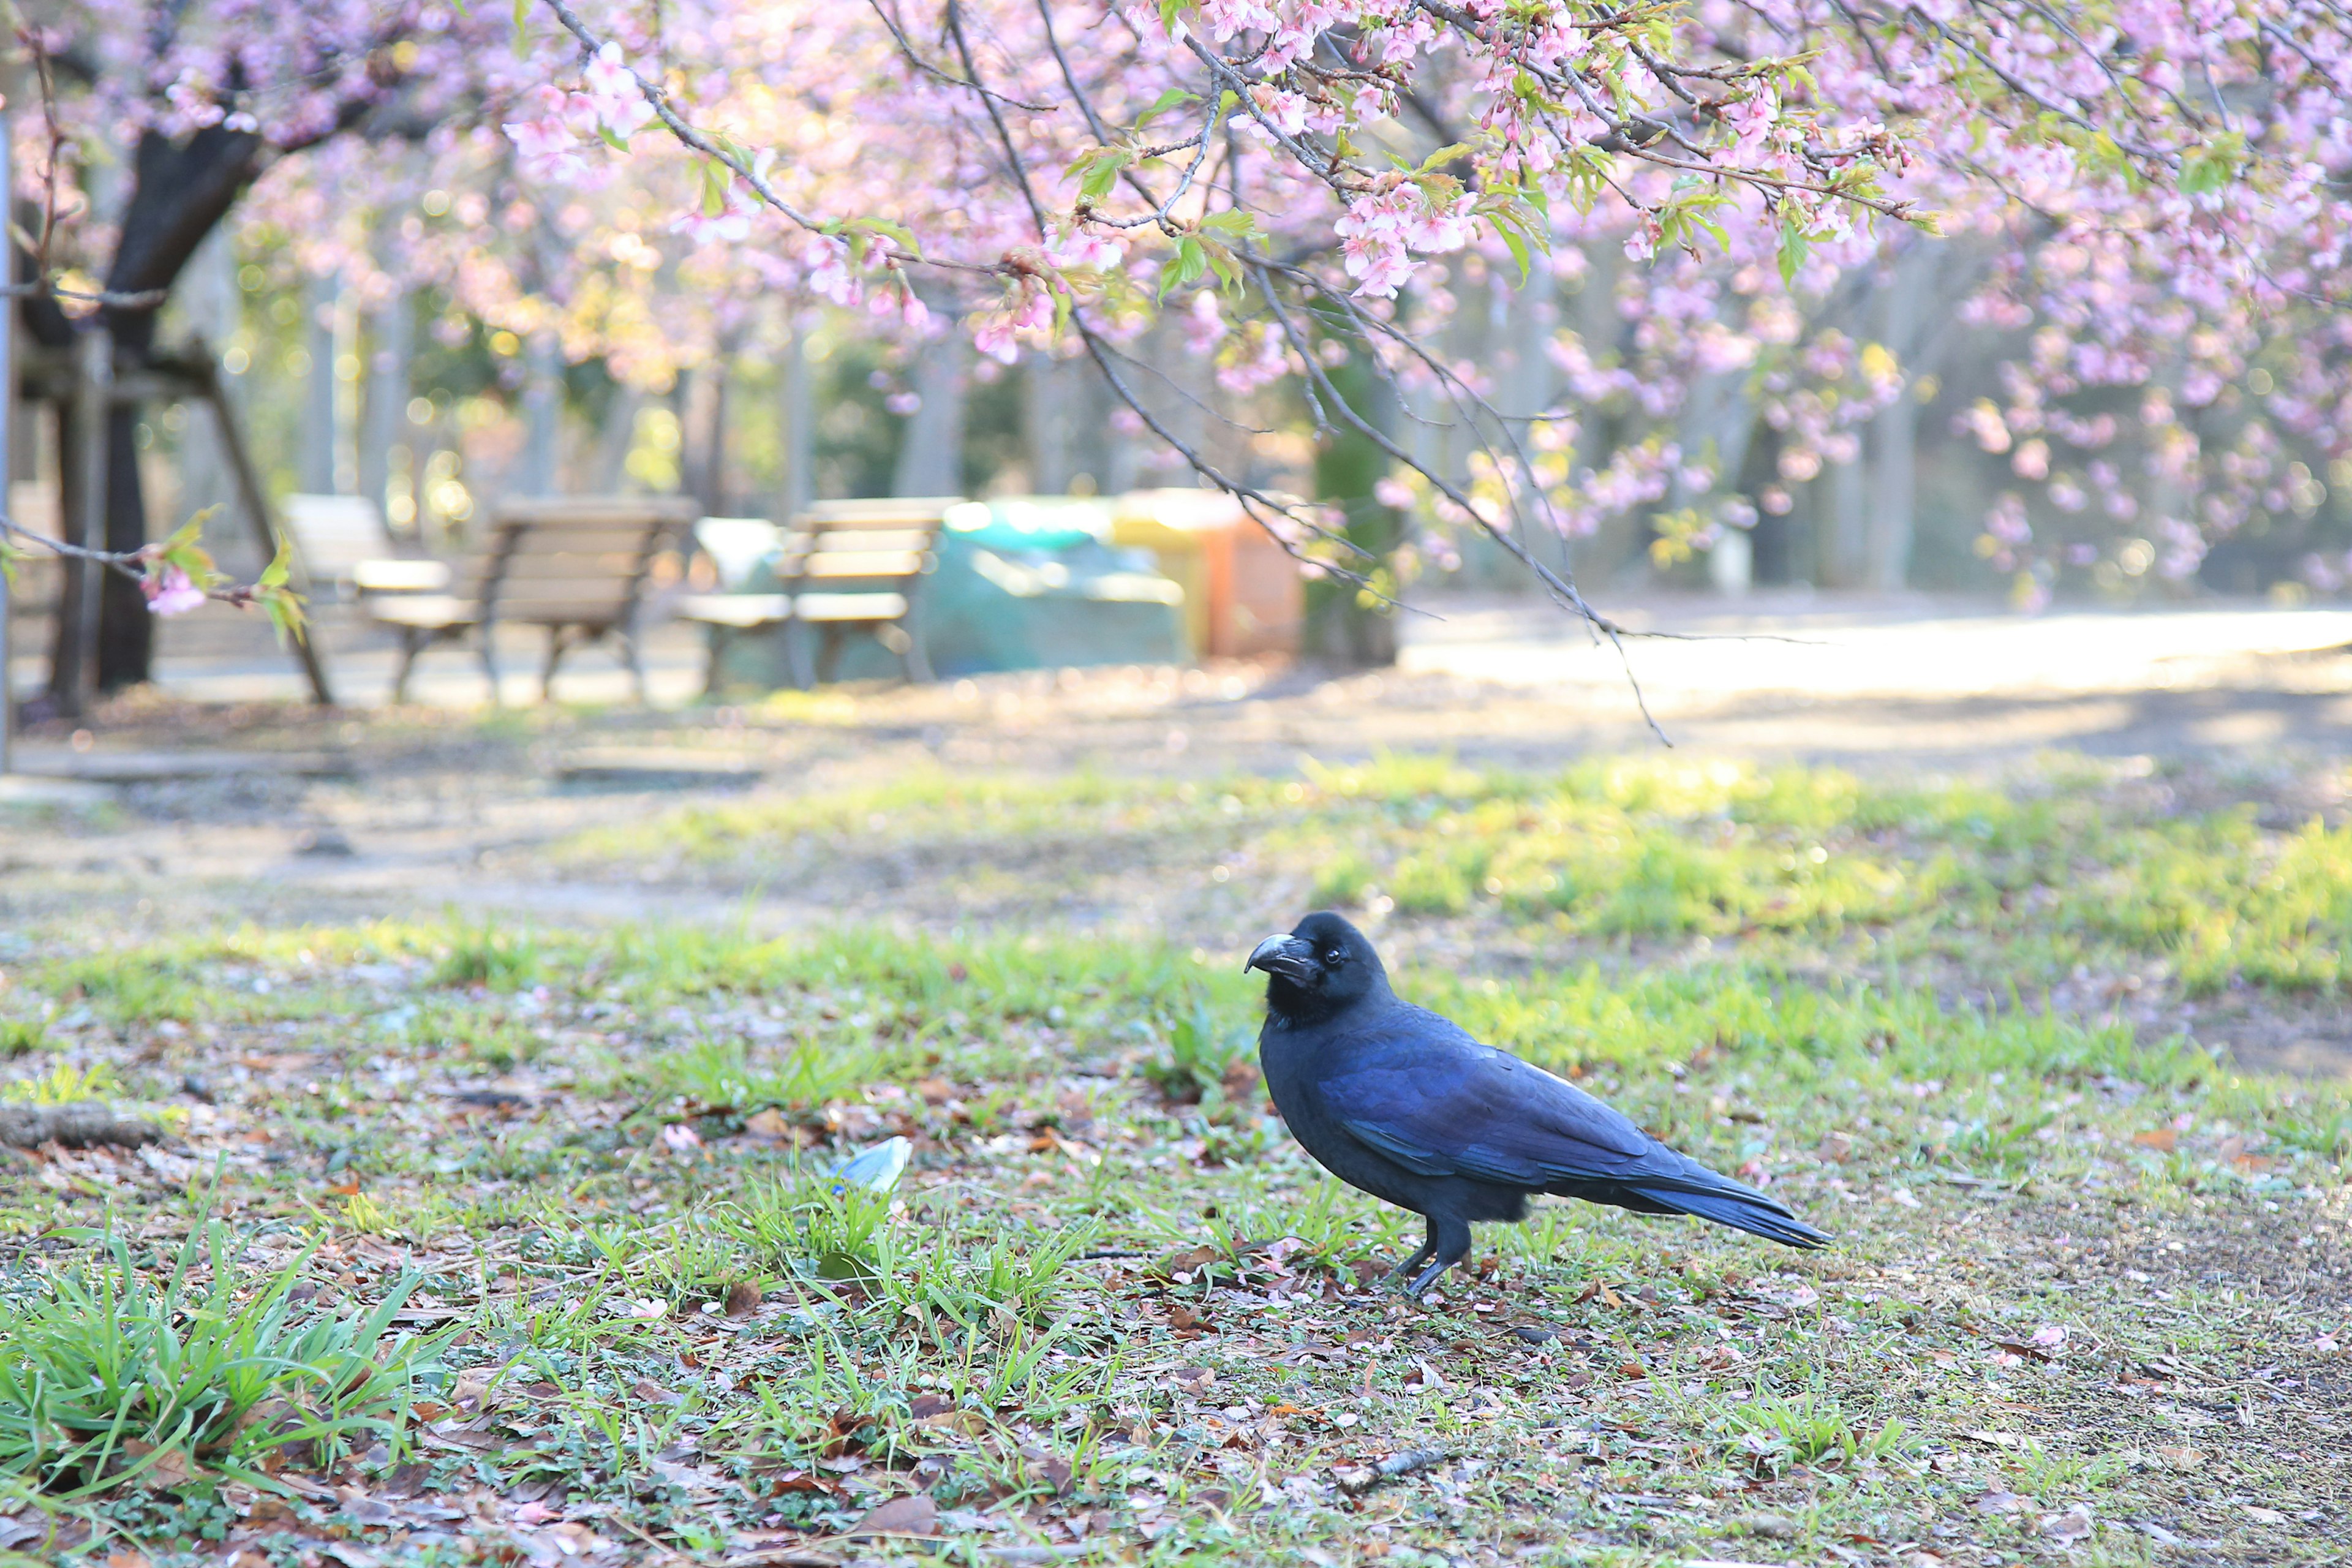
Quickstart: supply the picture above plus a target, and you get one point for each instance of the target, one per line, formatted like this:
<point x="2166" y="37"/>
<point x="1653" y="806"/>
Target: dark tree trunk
<point x="126" y="632"/>
<point x="67" y="637"/>
<point x="184" y="187"/>
<point x="1344" y="625"/>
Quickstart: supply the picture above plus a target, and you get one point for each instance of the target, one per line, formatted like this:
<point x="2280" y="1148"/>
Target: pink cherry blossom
<point x="171" y="592"/>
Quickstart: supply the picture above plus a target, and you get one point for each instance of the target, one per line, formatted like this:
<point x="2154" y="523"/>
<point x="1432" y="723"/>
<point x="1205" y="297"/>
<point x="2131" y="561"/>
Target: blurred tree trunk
<point x="1344" y="625"/>
<point x="931" y="447"/>
<point x="797" y="411"/>
<point x="314" y="465"/>
<point x="1045" y="418"/>
<point x="181" y="189"/>
<point x="383" y="414"/>
<point x="1893" y="430"/>
<point x="543" y="413"/>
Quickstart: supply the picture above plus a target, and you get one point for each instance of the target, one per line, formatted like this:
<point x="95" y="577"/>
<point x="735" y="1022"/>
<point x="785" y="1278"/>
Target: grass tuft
<point x="126" y="1371"/>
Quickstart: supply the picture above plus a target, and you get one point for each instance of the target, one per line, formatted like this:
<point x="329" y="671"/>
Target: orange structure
<point x="1242" y="590"/>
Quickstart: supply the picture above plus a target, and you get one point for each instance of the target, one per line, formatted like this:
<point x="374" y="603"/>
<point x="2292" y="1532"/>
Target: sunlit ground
<point x="501" y="1073"/>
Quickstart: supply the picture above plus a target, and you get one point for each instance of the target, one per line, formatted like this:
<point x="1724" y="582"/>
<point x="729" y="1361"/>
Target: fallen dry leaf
<point x="2163" y="1140"/>
<point x="2073" y="1525"/>
<point x="1176" y="1265"/>
<point x="915" y="1514"/>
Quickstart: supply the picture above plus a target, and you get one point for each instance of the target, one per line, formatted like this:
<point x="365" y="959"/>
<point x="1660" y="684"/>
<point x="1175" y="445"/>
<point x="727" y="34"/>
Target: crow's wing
<point x="1414" y="1087"/>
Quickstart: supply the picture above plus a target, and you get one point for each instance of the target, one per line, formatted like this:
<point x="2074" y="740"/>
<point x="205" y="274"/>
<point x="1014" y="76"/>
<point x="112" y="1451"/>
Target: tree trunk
<point x="1344" y="625"/>
<point x="182" y="189"/>
<point x="931" y="447"/>
<point x="126" y="631"/>
<point x="798" y="412"/>
<point x="542" y="409"/>
<point x="314" y="465"/>
<point x="1045" y="421"/>
<point x="1893" y="430"/>
<point x="383" y="414"/>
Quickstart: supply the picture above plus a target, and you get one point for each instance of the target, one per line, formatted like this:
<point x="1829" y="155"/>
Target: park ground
<point x="502" y="1059"/>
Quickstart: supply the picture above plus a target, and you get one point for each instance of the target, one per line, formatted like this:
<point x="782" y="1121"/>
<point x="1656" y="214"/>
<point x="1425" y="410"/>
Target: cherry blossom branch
<point x="1563" y="591"/>
<point x="170" y="588"/>
<point x="907" y="50"/>
<point x="659" y="101"/>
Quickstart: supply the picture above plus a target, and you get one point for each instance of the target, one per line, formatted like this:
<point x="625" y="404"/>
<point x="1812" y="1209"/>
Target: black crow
<point x="1399" y="1101"/>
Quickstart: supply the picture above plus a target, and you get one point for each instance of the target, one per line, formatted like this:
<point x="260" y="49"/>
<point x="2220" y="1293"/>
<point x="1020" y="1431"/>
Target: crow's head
<point x="1321" y="967"/>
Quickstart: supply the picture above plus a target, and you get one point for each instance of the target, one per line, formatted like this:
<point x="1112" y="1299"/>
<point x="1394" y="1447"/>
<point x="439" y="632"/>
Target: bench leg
<point x="828" y="653"/>
<point x="717" y="642"/>
<point x="490" y="651"/>
<point x="919" y="663"/>
<point x="634" y="655"/>
<point x="412" y="643"/>
<point x="555" y="651"/>
<point x="796" y="654"/>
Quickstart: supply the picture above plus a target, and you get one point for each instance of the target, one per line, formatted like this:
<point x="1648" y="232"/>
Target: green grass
<point x="175" y="1367"/>
<point x="1643" y="850"/>
<point x="1110" y="1306"/>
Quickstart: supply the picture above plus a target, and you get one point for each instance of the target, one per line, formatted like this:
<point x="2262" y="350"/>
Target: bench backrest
<point x="737" y="545"/>
<point x="332" y="534"/>
<point x="578" y="560"/>
<point x="890" y="540"/>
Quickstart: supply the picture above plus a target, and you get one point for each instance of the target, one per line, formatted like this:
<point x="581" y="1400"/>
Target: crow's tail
<point x="1749" y="1211"/>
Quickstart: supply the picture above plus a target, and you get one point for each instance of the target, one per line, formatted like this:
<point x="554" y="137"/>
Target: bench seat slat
<point x="867" y="563"/>
<point x="425" y="612"/>
<point x="874" y="539"/>
<point x="850" y="606"/>
<point x="737" y="612"/>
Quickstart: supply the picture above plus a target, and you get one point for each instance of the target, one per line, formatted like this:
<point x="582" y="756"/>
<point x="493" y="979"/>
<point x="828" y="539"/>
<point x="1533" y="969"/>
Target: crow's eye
<point x="1333" y="957"/>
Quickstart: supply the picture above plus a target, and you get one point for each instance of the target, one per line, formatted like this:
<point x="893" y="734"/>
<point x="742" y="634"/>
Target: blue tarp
<point x="1020" y="583"/>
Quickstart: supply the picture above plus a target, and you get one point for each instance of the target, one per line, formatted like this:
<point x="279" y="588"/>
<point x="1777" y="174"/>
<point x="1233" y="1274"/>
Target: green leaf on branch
<point x="1518" y="249"/>
<point x="280" y="602"/>
<point x="1098" y="171"/>
<point x="613" y="139"/>
<point x="2213" y="165"/>
<point x="715" y="176"/>
<point x="1192" y="260"/>
<point x="1169" y="99"/>
<point x="522" y="29"/>
<point x="1233" y="226"/>
<point x="898" y="233"/>
<point x="1795" y="247"/>
<point x="281" y="565"/>
<point x="185" y="549"/>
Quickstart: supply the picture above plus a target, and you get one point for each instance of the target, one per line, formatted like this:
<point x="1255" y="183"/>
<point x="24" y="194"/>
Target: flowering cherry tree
<point x="2152" y="192"/>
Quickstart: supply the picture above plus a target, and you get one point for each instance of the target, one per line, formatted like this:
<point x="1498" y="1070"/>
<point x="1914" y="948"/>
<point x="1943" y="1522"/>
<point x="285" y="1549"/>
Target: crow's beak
<point x="1288" y="956"/>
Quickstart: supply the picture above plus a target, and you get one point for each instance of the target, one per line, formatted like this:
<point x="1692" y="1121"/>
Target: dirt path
<point x="434" y="811"/>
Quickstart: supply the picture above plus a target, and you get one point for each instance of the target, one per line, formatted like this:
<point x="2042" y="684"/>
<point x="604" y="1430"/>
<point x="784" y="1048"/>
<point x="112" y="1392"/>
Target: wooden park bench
<point x="334" y="538"/>
<point x="580" y="566"/>
<point x="841" y="566"/>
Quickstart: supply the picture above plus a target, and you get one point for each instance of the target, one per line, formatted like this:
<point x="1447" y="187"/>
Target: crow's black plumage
<point x="1399" y="1101"/>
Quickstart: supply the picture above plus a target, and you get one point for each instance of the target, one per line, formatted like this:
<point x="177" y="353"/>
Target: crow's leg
<point x="1449" y="1240"/>
<point x="1428" y="1250"/>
